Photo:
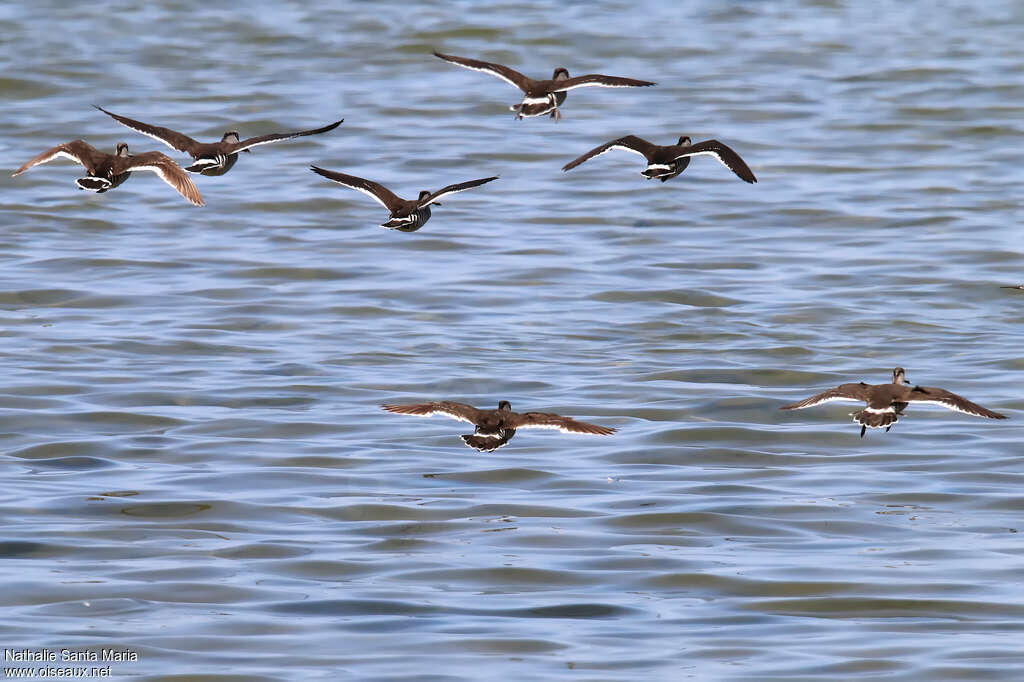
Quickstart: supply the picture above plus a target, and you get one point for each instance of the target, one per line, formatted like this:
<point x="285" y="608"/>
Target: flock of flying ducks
<point x="492" y="428"/>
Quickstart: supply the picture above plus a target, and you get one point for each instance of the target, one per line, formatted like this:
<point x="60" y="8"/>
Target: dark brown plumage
<point x="211" y="158"/>
<point x="886" y="402"/>
<point x="407" y="215"/>
<point x="107" y="171"/>
<point x="664" y="163"/>
<point x="495" y="428"/>
<point x="543" y="96"/>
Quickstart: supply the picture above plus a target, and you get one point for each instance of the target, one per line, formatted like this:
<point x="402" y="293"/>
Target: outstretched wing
<point x="930" y="395"/>
<point x="547" y="420"/>
<point x="377" y="191"/>
<point x="277" y="137"/>
<point x="452" y="189"/>
<point x="169" y="172"/>
<point x="599" y="80"/>
<point x="78" y="151"/>
<point x="510" y="76"/>
<point x="449" y="408"/>
<point x="629" y="143"/>
<point x="856" y="393"/>
<point x="725" y="155"/>
<point x="171" y="138"/>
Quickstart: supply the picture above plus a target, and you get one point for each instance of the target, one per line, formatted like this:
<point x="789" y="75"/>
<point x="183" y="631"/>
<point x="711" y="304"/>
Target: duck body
<point x="885" y="402"/>
<point x="665" y="162"/>
<point x="107" y="171"/>
<point x="495" y="428"/>
<point x="211" y="158"/>
<point x="407" y="215"/>
<point x="542" y="97"/>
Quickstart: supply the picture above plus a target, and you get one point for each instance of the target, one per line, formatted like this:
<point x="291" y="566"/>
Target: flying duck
<point x="495" y="428"/>
<point x="667" y="162"/>
<point x="107" y="171"/>
<point x="886" y="402"/>
<point x="542" y="97"/>
<point x="210" y="158"/>
<point x="407" y="215"/>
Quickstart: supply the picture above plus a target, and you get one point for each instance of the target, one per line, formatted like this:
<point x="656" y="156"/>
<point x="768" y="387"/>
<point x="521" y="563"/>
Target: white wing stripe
<point x="829" y="399"/>
<point x="364" y="190"/>
<point x="257" y="144"/>
<point x="486" y="70"/>
<point x="148" y="134"/>
<point x="595" y="84"/>
<point x="162" y="171"/>
<point x="58" y="154"/>
<point x="616" y="146"/>
<point x="625" y="148"/>
<point x="948" y="406"/>
<point x="446" y="413"/>
<point x="715" y="154"/>
<point x="558" y="427"/>
<point x="446" y="193"/>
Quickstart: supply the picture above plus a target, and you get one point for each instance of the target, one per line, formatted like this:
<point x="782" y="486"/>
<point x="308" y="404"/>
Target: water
<point x="195" y="465"/>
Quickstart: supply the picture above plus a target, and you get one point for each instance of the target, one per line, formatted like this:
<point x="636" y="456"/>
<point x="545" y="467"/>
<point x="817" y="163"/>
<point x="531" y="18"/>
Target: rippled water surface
<point x="195" y="465"/>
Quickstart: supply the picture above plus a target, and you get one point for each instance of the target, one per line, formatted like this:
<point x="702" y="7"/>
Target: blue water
<point x="195" y="466"/>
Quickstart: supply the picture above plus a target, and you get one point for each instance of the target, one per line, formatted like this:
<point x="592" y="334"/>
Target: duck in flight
<point x="664" y="163"/>
<point x="211" y="158"/>
<point x="886" y="402"/>
<point x="407" y="215"/>
<point x="107" y="171"/>
<point x="495" y="428"/>
<point x="543" y="96"/>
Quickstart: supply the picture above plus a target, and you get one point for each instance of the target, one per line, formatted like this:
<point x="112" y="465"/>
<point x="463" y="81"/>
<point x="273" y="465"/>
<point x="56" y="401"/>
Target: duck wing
<point x="277" y="137"/>
<point x="930" y="395"/>
<point x="723" y="153"/>
<point x="548" y="420"/>
<point x="856" y="393"/>
<point x="510" y="76"/>
<point x="377" y="191"/>
<point x="629" y="143"/>
<point x="170" y="172"/>
<point x="171" y="138"/>
<point x="78" y="151"/>
<point x="599" y="80"/>
<point x="452" y="189"/>
<point x="449" y="408"/>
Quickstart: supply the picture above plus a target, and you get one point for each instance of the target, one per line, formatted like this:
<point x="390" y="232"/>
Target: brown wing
<point x="452" y="189"/>
<point x="78" y="151"/>
<point x="510" y="76"/>
<point x="277" y="137"/>
<point x="599" y="80"/>
<point x="857" y="393"/>
<point x="951" y="401"/>
<point x="547" y="420"/>
<point x="170" y="172"/>
<point x="460" y="411"/>
<point x="382" y="194"/>
<point x="725" y="155"/>
<point x="171" y="138"/>
<point x="630" y="143"/>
